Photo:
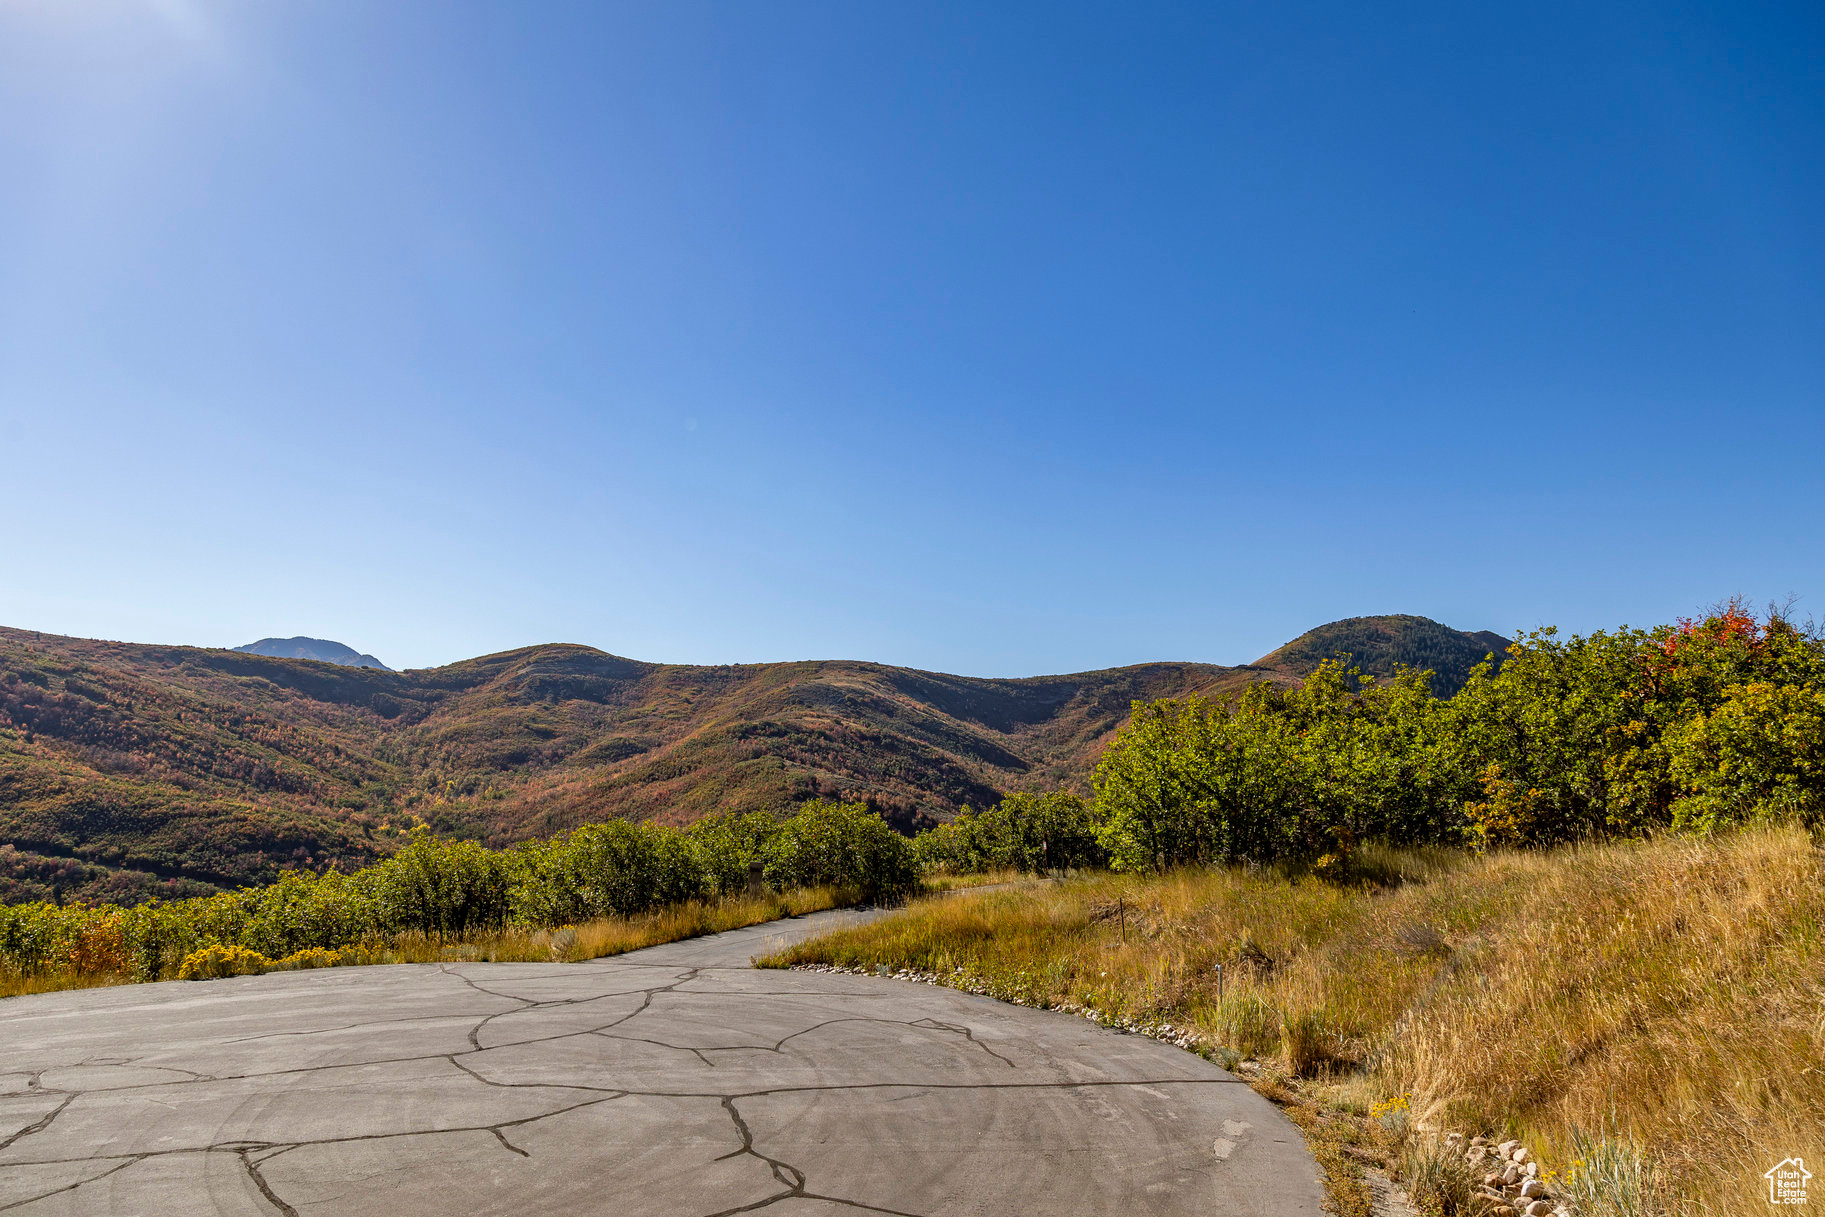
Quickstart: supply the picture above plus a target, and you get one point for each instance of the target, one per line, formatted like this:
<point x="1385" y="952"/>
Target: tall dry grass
<point x="1668" y="994"/>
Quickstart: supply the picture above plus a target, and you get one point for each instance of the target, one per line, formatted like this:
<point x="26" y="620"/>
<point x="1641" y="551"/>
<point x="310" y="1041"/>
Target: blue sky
<point x="1000" y="340"/>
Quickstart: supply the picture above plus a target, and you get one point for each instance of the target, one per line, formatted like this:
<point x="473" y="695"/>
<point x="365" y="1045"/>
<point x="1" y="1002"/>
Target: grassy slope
<point x="1673" y="990"/>
<point x="130" y="769"/>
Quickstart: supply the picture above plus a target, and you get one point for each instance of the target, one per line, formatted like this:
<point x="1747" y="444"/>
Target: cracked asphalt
<point x="675" y="1080"/>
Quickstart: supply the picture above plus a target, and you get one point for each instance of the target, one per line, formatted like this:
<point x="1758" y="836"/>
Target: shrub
<point x="36" y="937"/>
<point x="99" y="944"/>
<point x="441" y="887"/>
<point x="727" y="843"/>
<point x="1759" y="755"/>
<point x="309" y="957"/>
<point x="1032" y="833"/>
<point x="605" y="870"/>
<point x="438" y="888"/>
<point x="216" y="961"/>
<point x="841" y="845"/>
<point x="303" y="910"/>
<point x="1307" y="1043"/>
<point x="1695" y="726"/>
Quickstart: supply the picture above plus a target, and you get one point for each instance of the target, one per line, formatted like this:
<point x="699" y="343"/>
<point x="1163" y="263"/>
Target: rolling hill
<point x="129" y="770"/>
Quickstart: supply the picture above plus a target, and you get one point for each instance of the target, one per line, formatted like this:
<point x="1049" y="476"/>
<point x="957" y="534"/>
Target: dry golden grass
<point x="591" y="940"/>
<point x="935" y="883"/>
<point x="1669" y="993"/>
<point x="15" y="984"/>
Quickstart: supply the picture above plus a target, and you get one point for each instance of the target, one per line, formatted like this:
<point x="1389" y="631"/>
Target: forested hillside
<point x="129" y="770"/>
<point x="1379" y="646"/>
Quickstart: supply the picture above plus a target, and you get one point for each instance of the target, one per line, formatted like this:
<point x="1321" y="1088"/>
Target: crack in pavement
<point x="790" y="1176"/>
<point x="365" y="1023"/>
<point x="531" y="1003"/>
<point x="70" y="1187"/>
<point x="607" y="1095"/>
<point x="508" y="1145"/>
<point x="245" y="1150"/>
<point x="930" y="1024"/>
<point x="487" y="1081"/>
<point x="259" y="1181"/>
<point x="43" y="1122"/>
<point x="697" y="1052"/>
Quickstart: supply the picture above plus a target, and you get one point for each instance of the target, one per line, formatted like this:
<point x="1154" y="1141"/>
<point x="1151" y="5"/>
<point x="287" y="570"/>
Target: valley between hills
<point x="129" y="771"/>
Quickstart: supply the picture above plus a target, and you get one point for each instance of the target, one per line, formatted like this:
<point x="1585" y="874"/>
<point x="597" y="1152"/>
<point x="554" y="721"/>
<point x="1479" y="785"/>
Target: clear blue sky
<point x="1008" y="340"/>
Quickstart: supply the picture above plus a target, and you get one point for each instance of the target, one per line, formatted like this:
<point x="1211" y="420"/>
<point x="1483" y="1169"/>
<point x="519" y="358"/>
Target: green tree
<point x="1760" y="754"/>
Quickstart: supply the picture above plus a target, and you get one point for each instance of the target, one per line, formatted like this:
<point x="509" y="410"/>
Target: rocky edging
<point x="1511" y="1178"/>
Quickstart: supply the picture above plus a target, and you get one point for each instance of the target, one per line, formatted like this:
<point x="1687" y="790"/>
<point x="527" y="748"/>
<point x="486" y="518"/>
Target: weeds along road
<point x="675" y="1080"/>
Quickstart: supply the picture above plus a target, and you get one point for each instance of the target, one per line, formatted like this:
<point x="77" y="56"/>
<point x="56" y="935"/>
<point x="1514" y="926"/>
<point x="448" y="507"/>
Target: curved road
<point x="675" y="1080"/>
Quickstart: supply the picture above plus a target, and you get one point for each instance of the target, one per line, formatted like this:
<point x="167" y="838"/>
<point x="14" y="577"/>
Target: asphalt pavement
<point x="672" y="1081"/>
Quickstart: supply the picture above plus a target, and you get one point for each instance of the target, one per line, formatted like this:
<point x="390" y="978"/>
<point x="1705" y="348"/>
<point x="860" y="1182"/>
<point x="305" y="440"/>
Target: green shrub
<point x="1695" y="726"/>
<point x="36" y="937"/>
<point x="438" y="888"/>
<point x="304" y="910"/>
<point x="1757" y="756"/>
<point x="441" y="887"/>
<point x="726" y="843"/>
<point x="1031" y="833"/>
<point x="605" y="870"/>
<point x="842" y="845"/>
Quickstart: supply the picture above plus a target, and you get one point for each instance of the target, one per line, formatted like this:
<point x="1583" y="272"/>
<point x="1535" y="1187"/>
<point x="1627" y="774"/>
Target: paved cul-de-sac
<point x="676" y="1080"/>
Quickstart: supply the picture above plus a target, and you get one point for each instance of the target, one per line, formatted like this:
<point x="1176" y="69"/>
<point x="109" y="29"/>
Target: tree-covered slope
<point x="1378" y="645"/>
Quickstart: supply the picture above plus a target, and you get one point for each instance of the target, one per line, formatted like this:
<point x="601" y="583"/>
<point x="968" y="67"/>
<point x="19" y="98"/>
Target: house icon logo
<point x="1787" y="1182"/>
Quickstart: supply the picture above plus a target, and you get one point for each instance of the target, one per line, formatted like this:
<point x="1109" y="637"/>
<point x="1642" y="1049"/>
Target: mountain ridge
<point x="129" y="770"/>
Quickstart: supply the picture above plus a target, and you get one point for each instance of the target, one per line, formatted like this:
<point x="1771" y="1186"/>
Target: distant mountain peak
<point x="320" y="649"/>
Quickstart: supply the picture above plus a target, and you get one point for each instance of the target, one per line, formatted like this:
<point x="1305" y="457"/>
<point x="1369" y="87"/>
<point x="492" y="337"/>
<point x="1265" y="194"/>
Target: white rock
<point x="1532" y="1189"/>
<point x="1519" y="1155"/>
<point x="1506" y="1148"/>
